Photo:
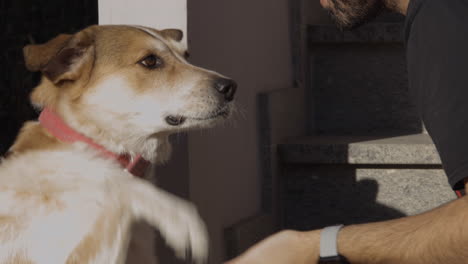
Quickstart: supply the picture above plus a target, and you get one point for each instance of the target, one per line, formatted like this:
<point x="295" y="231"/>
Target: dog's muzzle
<point x="226" y="87"/>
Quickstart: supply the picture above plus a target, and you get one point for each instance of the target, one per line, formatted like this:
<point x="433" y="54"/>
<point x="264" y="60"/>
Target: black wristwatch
<point x="338" y="259"/>
<point x="328" y="246"/>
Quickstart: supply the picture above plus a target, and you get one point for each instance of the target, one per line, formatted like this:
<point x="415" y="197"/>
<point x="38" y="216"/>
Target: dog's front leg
<point x="141" y="249"/>
<point x="177" y="220"/>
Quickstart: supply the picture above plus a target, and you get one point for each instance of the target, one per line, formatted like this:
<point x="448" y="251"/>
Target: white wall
<point x="248" y="41"/>
<point x="158" y="14"/>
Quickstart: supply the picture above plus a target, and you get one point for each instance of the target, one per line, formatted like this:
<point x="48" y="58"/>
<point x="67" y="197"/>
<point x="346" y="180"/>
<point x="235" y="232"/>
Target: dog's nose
<point x="227" y="87"/>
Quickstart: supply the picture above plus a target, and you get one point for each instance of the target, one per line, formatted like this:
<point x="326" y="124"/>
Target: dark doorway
<point x="23" y="22"/>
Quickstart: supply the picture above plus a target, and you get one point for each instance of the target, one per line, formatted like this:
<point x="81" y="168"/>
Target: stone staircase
<point x="349" y="147"/>
<point x="351" y="179"/>
<point x="367" y="156"/>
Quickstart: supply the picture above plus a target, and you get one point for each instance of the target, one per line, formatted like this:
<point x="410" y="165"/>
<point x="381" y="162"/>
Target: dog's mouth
<point x="177" y="120"/>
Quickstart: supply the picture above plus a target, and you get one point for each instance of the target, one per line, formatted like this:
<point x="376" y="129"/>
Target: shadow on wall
<point x="332" y="195"/>
<point x="357" y="87"/>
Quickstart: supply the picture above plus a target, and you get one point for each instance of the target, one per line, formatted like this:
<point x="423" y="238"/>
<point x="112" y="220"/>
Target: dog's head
<point x="127" y="82"/>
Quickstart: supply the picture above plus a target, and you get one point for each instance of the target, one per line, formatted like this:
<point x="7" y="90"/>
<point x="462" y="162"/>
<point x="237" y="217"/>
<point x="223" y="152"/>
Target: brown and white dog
<point x="110" y="96"/>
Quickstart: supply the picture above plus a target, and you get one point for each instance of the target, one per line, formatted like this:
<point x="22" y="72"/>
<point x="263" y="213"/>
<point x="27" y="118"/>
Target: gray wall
<point x="248" y="41"/>
<point x="314" y="13"/>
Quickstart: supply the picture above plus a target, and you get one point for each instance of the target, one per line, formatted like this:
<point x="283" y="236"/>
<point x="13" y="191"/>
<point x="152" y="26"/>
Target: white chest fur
<point x="72" y="206"/>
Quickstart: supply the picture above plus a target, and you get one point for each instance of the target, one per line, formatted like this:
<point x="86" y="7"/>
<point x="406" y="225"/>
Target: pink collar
<point x="57" y="127"/>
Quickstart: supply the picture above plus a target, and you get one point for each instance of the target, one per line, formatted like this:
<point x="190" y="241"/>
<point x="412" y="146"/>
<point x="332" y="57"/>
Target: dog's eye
<point x="151" y="62"/>
<point x="187" y="55"/>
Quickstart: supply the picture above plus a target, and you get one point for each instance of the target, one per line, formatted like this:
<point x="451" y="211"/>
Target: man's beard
<point x="353" y="13"/>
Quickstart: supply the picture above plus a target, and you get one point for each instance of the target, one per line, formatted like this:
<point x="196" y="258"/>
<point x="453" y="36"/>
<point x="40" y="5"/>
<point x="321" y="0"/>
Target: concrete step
<point x="314" y="196"/>
<point x="327" y="180"/>
<point x="417" y="149"/>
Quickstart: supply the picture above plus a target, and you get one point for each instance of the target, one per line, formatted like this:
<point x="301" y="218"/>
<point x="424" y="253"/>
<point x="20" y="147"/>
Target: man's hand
<point x="285" y="247"/>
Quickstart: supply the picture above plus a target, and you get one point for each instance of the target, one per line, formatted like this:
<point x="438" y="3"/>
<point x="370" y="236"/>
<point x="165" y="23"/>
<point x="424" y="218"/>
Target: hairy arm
<point x="438" y="236"/>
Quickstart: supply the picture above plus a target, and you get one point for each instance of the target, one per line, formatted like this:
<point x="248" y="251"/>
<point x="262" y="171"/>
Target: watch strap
<point x="328" y="245"/>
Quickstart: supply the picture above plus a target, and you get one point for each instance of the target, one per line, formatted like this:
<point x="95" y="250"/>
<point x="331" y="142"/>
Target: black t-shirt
<point x="437" y="52"/>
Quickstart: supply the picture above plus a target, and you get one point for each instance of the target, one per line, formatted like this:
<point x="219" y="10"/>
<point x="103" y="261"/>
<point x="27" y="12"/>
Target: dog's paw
<point x="186" y="232"/>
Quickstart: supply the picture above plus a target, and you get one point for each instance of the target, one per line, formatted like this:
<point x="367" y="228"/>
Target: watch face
<point x="333" y="260"/>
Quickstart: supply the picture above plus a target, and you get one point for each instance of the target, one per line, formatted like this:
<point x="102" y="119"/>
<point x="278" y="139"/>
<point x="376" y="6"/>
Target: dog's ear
<point x="63" y="58"/>
<point x="36" y="57"/>
<point x="174" y="34"/>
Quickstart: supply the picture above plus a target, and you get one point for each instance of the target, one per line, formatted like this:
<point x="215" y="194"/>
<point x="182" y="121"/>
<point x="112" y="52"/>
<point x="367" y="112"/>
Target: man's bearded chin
<point x="349" y="14"/>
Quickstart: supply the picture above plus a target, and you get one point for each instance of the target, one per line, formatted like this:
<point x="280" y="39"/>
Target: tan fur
<point x="113" y="57"/>
<point x="18" y="259"/>
<point x="103" y="233"/>
<point x="96" y="82"/>
<point x="48" y="198"/>
<point x="33" y="137"/>
<point x="174" y="34"/>
<point x="12" y="227"/>
<point x="37" y="56"/>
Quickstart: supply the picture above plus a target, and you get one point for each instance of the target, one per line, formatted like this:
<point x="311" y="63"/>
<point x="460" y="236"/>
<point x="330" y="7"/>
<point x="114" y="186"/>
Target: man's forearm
<point x="438" y="236"/>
